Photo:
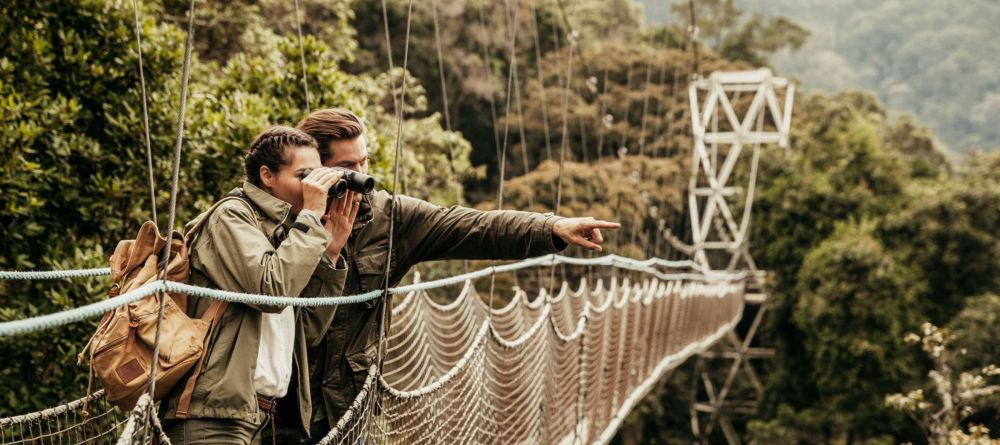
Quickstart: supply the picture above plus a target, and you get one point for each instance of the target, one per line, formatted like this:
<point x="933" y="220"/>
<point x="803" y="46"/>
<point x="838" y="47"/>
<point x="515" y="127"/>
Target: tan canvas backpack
<point x="121" y="350"/>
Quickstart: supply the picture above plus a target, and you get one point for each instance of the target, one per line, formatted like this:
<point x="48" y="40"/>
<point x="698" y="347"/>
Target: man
<point x="422" y="232"/>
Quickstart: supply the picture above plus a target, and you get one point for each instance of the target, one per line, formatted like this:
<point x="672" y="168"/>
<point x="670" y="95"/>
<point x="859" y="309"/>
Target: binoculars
<point x="353" y="181"/>
<point x="349" y="180"/>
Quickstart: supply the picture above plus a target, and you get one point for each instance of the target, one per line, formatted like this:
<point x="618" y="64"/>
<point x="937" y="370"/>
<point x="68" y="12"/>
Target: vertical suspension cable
<point x="693" y="33"/>
<point x="645" y="109"/>
<point x="175" y="176"/>
<point x="396" y="161"/>
<point x="558" y="52"/>
<point x="628" y="106"/>
<point x="571" y="37"/>
<point x="520" y="123"/>
<point x="444" y="91"/>
<point x="659" y="222"/>
<point x="541" y="81"/>
<point x="485" y="46"/>
<point x="665" y="115"/>
<point x="145" y="112"/>
<point x="388" y="50"/>
<point x="659" y="113"/>
<point x="149" y="163"/>
<point x="399" y="105"/>
<point x="536" y="37"/>
<point x="602" y="122"/>
<point x="302" y="57"/>
<point x="506" y="130"/>
<point x="642" y="150"/>
<point x="691" y="45"/>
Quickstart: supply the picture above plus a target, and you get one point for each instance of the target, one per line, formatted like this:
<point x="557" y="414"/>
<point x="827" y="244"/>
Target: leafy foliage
<point x="953" y="395"/>
<point x="71" y="140"/>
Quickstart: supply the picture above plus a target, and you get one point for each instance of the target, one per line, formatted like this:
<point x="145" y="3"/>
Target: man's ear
<point x="266" y="176"/>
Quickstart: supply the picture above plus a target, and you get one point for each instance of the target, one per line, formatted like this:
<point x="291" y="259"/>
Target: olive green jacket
<point x="422" y="232"/>
<point x="234" y="252"/>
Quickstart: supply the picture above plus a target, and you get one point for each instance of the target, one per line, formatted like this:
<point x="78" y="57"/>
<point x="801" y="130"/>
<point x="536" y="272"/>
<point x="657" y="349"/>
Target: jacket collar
<point x="274" y="208"/>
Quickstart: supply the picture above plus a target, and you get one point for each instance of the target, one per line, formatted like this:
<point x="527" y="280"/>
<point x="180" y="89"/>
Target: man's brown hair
<point x="331" y="124"/>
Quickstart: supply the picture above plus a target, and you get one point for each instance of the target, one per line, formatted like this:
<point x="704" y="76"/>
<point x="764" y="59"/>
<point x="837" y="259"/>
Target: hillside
<point x="936" y="60"/>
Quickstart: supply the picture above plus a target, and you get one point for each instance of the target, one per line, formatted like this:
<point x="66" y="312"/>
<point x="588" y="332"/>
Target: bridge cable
<point x="658" y="220"/>
<point x="541" y="80"/>
<point x="668" y="116"/>
<point x="145" y="112"/>
<point x="400" y="109"/>
<point x="302" y="58"/>
<point x="388" y="50"/>
<point x="512" y="28"/>
<point x="693" y="34"/>
<point x="571" y="43"/>
<point x="487" y="51"/>
<point x="165" y="261"/>
<point x="444" y="94"/>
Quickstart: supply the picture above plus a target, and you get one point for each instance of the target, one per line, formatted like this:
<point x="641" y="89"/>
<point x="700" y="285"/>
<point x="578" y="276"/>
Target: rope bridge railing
<point x="465" y="372"/>
<point x="53" y="274"/>
<point x="99" y="308"/>
<point x="10" y="275"/>
<point x="566" y="368"/>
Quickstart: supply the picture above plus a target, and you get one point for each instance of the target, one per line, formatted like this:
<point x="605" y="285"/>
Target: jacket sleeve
<point x="238" y="257"/>
<point x="327" y="281"/>
<point x="430" y="232"/>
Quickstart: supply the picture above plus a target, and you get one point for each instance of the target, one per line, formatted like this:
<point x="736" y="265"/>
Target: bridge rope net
<point x="460" y="371"/>
<point x="564" y="368"/>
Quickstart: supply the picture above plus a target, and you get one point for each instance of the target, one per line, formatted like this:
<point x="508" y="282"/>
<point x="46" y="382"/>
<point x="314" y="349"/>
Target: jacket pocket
<point x="371" y="271"/>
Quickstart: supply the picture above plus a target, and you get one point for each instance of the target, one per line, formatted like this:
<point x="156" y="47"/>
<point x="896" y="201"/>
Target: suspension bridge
<point x="565" y="365"/>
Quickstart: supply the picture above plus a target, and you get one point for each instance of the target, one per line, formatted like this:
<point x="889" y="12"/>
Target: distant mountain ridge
<point x="939" y="61"/>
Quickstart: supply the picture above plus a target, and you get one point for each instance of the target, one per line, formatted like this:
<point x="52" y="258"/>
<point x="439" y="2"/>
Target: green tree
<point x="949" y="233"/>
<point x="71" y="140"/>
<point x="846" y="165"/>
<point x="74" y="169"/>
<point x="952" y="396"/>
<point x="855" y="303"/>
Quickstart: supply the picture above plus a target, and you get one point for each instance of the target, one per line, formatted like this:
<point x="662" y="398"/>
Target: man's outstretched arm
<point x="430" y="232"/>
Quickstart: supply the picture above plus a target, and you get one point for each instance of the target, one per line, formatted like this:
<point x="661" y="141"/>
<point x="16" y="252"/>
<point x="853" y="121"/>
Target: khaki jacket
<point x="423" y="232"/>
<point x="234" y="252"/>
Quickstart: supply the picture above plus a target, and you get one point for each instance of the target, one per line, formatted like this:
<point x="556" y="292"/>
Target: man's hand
<point x="316" y="186"/>
<point x="339" y="221"/>
<point x="583" y="232"/>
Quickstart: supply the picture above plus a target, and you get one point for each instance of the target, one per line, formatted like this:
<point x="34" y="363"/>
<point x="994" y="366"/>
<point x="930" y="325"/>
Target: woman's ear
<point x="266" y="177"/>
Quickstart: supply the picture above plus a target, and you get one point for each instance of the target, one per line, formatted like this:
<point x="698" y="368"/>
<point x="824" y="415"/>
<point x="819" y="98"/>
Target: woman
<point x="278" y="239"/>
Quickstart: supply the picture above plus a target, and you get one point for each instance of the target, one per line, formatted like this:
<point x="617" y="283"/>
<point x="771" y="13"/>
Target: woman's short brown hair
<point x="331" y="124"/>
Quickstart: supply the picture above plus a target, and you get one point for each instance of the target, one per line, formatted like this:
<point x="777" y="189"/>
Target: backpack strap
<point x="197" y="225"/>
<point x="216" y="309"/>
<point x="214" y="316"/>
